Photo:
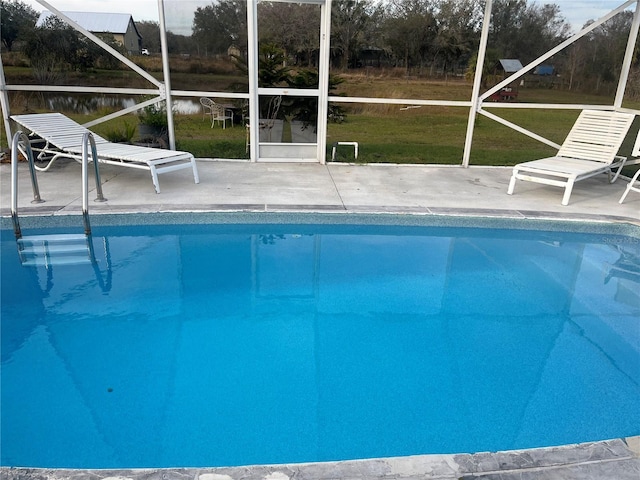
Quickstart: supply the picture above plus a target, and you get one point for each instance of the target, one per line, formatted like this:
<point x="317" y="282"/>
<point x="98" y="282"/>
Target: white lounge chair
<point x="589" y="149"/>
<point x="631" y="186"/>
<point x="56" y="136"/>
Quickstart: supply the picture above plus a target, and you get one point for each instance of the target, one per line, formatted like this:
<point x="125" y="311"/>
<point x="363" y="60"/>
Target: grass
<point x="437" y="135"/>
<point x="420" y="136"/>
<point x="195" y="135"/>
<point x="385" y="133"/>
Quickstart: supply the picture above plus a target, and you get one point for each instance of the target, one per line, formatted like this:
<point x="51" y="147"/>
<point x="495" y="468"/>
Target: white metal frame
<point x="626" y="66"/>
<point x="285" y="151"/>
<point x="162" y="91"/>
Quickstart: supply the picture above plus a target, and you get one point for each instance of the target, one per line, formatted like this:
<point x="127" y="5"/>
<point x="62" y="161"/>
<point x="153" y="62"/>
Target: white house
<point x="120" y="25"/>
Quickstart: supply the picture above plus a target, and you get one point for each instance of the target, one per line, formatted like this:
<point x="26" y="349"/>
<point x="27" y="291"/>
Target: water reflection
<point x="90" y="103"/>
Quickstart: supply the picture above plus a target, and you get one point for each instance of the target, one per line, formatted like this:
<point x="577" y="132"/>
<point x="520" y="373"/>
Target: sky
<point x="179" y="13"/>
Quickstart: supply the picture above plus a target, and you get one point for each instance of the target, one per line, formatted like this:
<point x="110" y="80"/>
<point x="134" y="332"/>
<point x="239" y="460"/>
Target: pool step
<point x="61" y="249"/>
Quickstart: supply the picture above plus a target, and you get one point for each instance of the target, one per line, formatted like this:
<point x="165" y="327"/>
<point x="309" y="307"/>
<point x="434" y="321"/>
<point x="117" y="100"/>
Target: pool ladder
<point x="59" y="249"/>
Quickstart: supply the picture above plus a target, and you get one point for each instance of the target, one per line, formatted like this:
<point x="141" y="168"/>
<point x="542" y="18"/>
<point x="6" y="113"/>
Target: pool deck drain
<point x="343" y="189"/>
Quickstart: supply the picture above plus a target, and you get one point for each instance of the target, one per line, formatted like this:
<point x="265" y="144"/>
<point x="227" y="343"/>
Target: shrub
<point x="122" y="135"/>
<point x="154" y="116"/>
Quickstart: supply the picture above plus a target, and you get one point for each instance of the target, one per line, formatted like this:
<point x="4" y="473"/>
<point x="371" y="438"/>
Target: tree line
<point x="423" y="37"/>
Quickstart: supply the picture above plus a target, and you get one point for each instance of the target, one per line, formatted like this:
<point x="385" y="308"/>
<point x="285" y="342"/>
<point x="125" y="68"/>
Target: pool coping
<point x="49" y="215"/>
<point x="617" y="459"/>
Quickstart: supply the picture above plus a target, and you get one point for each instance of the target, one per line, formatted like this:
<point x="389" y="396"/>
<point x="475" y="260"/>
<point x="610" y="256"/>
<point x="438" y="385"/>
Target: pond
<point x="91" y="103"/>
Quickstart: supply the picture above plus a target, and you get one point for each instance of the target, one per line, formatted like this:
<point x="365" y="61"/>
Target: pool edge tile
<point x="604" y="460"/>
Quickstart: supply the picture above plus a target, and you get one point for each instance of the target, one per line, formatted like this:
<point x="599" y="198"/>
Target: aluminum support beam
<point x="477" y="82"/>
<point x="252" y="62"/>
<point x="165" y="90"/>
<point x="628" y="57"/>
<point x="323" y="80"/>
<point x="4" y="103"/>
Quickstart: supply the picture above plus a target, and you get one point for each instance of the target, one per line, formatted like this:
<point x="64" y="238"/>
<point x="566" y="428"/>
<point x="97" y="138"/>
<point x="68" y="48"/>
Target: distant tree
<point x="17" y="20"/>
<point x="411" y="30"/>
<point x="575" y="58"/>
<point x="150" y="33"/>
<point x="53" y="49"/>
<point x="458" y="34"/>
<point x="633" y="85"/>
<point x="525" y="31"/>
<point x="90" y="55"/>
<point x="352" y="22"/>
<point x="506" y="23"/>
<point x="603" y="50"/>
<point x="177" y="43"/>
<point x="295" y="28"/>
<point x="490" y="60"/>
<point x="220" y="25"/>
<point x="543" y="28"/>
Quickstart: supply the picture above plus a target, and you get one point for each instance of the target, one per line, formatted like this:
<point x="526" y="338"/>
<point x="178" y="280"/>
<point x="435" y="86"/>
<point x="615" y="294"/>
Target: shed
<point x="372" y="56"/>
<point x="509" y="93"/>
<point x="120" y="25"/>
<point x="509" y="65"/>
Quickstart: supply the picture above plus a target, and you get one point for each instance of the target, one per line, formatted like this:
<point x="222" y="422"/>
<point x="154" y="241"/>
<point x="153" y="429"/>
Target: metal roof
<point x="510" y="65"/>
<point x="95" y="21"/>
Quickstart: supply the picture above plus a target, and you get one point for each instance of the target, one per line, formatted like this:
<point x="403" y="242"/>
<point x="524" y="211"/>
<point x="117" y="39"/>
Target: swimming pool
<point x="238" y="344"/>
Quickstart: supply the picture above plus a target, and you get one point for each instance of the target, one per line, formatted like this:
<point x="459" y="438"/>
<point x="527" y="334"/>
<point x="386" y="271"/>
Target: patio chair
<point x="635" y="153"/>
<point x="589" y="149"/>
<point x="54" y="136"/>
<point x="217" y="112"/>
<point x="265" y="125"/>
<point x="272" y="114"/>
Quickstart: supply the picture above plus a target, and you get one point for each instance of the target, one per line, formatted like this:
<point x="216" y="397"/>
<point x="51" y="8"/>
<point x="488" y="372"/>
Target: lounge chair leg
<point x="512" y="184"/>
<point x="624" y="195"/>
<point x="630" y="186"/>
<point x="617" y="174"/>
<point x="196" y="178"/>
<point x="154" y="177"/>
<point x="567" y="192"/>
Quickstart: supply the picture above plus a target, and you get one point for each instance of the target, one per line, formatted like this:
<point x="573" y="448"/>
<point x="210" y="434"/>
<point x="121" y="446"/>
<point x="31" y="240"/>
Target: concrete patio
<point x="244" y="186"/>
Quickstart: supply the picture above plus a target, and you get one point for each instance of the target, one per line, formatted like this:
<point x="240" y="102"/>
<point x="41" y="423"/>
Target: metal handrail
<point x="25" y="149"/>
<point x="87" y="139"/>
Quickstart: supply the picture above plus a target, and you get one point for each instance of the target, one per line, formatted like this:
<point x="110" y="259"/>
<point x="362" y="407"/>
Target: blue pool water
<point x="209" y="345"/>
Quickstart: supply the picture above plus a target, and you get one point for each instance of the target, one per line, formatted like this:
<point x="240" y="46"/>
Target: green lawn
<point x="385" y="133"/>
<point x="414" y="136"/>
